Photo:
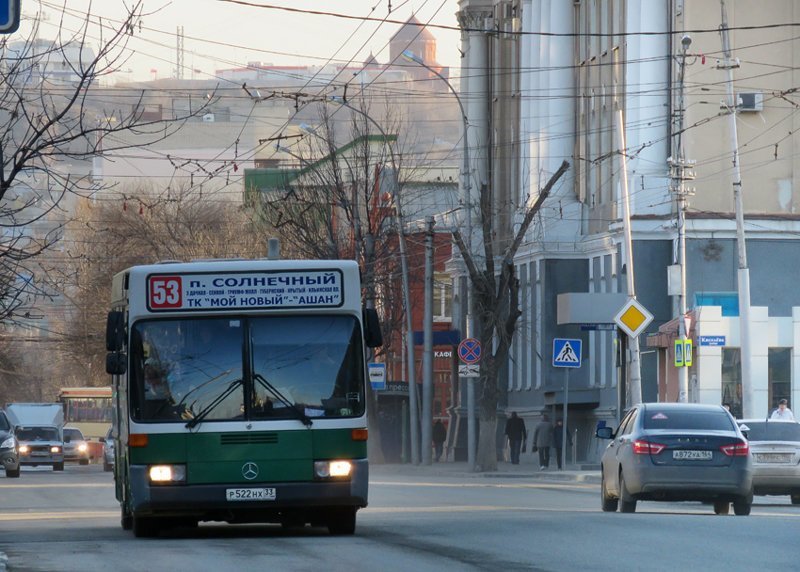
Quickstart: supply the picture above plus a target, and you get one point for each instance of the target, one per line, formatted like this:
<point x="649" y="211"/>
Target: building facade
<point x="585" y="73"/>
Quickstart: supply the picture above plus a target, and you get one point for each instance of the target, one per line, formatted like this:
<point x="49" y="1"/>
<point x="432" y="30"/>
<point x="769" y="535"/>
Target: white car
<point x="75" y="446"/>
<point x="775" y="446"/>
<point x="108" y="452"/>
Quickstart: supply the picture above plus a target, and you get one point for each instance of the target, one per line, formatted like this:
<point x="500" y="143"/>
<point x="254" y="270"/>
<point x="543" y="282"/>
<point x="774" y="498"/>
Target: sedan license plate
<point x="692" y="455"/>
<point x="252" y="494"/>
<point x="773" y="457"/>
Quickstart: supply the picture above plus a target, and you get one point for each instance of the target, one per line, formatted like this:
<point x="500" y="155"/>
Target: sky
<point x="220" y="34"/>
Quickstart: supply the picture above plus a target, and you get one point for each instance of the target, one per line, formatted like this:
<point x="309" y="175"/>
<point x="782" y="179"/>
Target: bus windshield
<point x="226" y="369"/>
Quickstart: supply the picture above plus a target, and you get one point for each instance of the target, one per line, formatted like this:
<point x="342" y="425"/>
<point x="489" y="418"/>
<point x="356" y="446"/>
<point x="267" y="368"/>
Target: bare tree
<point x="337" y="202"/>
<point x="496" y="302"/>
<point x="52" y="123"/>
<point x="111" y="235"/>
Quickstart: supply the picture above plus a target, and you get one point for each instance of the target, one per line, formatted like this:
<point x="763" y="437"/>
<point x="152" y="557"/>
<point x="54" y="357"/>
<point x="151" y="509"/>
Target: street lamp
<point x="412" y="384"/>
<point x="467" y="190"/>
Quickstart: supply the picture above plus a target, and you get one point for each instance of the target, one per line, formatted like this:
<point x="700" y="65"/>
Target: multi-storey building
<point x="553" y="81"/>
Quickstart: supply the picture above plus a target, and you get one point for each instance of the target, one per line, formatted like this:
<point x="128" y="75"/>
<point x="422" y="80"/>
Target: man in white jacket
<point x="782" y="413"/>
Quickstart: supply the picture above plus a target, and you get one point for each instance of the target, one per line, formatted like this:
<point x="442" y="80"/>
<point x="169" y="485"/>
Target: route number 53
<point x="165" y="292"/>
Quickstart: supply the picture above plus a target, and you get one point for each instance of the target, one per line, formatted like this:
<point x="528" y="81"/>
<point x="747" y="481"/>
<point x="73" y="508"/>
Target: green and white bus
<point x="239" y="393"/>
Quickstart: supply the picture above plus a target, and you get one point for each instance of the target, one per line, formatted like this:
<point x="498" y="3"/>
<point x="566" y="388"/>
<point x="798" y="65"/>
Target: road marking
<point x="58" y="486"/>
<point x="445" y="509"/>
<point x="17" y="516"/>
<point x="488" y="485"/>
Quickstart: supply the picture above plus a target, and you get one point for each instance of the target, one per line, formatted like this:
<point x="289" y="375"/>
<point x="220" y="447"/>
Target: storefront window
<point x="732" y="380"/>
<point x="780" y="375"/>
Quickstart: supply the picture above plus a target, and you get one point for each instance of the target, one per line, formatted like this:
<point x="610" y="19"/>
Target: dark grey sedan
<point x="677" y="452"/>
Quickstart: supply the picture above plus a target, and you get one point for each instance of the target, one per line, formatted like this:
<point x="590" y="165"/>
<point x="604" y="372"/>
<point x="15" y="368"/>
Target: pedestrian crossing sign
<point x="566" y="352"/>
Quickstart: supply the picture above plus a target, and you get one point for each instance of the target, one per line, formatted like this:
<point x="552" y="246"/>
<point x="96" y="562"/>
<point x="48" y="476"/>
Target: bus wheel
<point x="342" y="521"/>
<point x="145" y="527"/>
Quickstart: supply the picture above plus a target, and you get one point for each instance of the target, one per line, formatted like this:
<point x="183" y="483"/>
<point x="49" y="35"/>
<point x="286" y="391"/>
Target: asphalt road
<point x="417" y="520"/>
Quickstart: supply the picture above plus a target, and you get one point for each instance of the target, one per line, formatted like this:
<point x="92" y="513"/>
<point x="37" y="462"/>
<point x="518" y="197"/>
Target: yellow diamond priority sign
<point x="633" y="318"/>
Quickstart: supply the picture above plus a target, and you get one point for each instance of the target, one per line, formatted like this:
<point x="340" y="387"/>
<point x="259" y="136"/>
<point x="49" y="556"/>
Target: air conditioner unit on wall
<point x="750" y="101"/>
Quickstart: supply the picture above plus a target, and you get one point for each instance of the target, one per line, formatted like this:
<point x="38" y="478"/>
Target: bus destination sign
<point x="245" y="290"/>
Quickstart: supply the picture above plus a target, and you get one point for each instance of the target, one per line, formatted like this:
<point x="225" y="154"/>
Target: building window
<point x="442" y="297"/>
<point x="780" y="375"/>
<point x="732" y="380"/>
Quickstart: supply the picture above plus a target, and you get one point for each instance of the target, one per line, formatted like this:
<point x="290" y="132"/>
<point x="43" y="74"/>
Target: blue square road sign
<point x="567" y="352"/>
<point x="9" y="16"/>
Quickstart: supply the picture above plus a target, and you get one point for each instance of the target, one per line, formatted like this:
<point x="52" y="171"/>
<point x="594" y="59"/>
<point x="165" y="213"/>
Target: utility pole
<point x="427" y="352"/>
<point x="635" y="369"/>
<point x="179" y="53"/>
<point x="728" y="63"/>
<point x="681" y="170"/>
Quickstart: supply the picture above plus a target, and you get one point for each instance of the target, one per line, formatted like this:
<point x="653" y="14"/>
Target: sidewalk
<point x="504" y="470"/>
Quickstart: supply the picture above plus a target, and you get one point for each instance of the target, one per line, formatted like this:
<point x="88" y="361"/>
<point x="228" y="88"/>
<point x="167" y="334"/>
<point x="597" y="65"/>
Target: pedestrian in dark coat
<point x="558" y="440"/>
<point x="439" y="436"/>
<point x="517" y="434"/>
<point x="543" y="440"/>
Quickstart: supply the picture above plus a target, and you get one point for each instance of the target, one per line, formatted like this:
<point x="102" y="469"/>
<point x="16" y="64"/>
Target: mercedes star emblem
<point x="250" y="470"/>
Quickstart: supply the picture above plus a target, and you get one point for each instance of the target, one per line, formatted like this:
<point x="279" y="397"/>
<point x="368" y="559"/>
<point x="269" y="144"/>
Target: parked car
<point x="9" y="457"/>
<point x="40" y="446"/>
<point x="677" y="452"/>
<point x="108" y="452"/>
<point x="75" y="446"/>
<point x="775" y="446"/>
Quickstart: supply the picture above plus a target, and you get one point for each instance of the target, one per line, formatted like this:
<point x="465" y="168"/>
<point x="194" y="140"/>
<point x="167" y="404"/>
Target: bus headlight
<point x="332" y="469"/>
<point x="167" y="474"/>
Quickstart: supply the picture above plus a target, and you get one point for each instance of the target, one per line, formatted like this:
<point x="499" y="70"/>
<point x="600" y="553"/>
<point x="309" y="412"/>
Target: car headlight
<point x="83" y="447"/>
<point x="8" y="443"/>
<point x="167" y="474"/>
<point x="332" y="469"/>
<point x="24" y="449"/>
<point x="55" y="449"/>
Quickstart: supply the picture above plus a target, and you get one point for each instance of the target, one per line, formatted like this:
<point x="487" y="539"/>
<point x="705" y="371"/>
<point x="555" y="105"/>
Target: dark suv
<point x="8" y="448"/>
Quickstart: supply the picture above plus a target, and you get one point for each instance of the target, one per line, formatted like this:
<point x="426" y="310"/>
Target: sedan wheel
<point x="626" y="502"/>
<point x="722" y="507"/>
<point x="608" y="503"/>
<point x="741" y="506"/>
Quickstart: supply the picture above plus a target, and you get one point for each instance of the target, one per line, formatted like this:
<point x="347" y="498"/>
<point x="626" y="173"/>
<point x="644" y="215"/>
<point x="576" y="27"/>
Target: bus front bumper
<point x="209" y="501"/>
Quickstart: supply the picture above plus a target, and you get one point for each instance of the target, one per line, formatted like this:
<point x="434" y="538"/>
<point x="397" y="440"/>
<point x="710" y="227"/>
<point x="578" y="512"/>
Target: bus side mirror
<point x="116" y="363"/>
<point x="115" y="331"/>
<point x="372" y="329"/>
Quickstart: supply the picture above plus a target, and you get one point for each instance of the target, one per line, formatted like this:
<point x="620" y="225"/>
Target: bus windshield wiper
<point x="306" y="420"/>
<point x="195" y="421"/>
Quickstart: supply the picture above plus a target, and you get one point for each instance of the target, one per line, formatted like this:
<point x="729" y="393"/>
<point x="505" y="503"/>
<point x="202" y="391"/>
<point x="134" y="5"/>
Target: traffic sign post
<point x="377" y="375"/>
<point x="633" y="318"/>
<point x="567" y="354"/>
<point x="679" y="362"/>
<point x="469" y="351"/>
<point x="9" y="16"/>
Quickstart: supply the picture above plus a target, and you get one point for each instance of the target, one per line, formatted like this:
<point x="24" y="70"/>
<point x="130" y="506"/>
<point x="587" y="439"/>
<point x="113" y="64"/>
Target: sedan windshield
<point x="773" y="431"/>
<point x="37" y="434"/>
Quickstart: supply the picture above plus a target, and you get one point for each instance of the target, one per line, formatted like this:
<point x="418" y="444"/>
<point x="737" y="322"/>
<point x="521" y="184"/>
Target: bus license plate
<point x="692" y="455"/>
<point x="250" y="494"/>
